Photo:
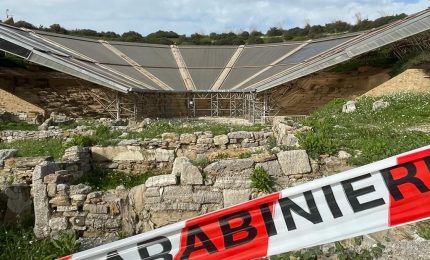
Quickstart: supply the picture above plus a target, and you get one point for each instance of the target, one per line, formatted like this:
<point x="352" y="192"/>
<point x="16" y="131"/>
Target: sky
<point x="199" y="16"/>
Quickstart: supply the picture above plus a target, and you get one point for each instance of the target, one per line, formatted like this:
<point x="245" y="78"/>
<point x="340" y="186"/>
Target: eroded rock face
<point x="188" y="173"/>
<point x="225" y="167"/>
<point x="294" y="162"/>
<point x="7" y="153"/>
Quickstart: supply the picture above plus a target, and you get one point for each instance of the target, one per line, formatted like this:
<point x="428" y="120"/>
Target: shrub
<point x="245" y="155"/>
<point x="82" y="140"/>
<point x="261" y="180"/>
<point x="201" y="162"/>
<point x="101" y="179"/>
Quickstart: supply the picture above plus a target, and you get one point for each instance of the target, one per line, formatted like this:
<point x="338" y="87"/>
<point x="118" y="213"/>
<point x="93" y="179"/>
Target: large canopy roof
<point x="138" y="67"/>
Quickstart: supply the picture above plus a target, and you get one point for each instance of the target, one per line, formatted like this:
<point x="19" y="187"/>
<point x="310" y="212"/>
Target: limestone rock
<point x="240" y="135"/>
<point x="221" y="140"/>
<point x="163" y="155"/>
<point x="234" y="197"/>
<point x="343" y="155"/>
<point x="349" y="107"/>
<point x="294" y="162"/>
<point x="189" y="173"/>
<point x="60" y="201"/>
<point x="204" y="197"/>
<point x="290" y="140"/>
<point x="127" y="142"/>
<point x="380" y="104"/>
<point x="229" y="166"/>
<point x="232" y="182"/>
<point x="170" y="137"/>
<point x="137" y="198"/>
<point x="7" y="153"/>
<point x="188" y="139"/>
<point x="161" y="180"/>
<point x="272" y="167"/>
<point x="58" y="223"/>
<point x="80" y="189"/>
<point x="121" y="153"/>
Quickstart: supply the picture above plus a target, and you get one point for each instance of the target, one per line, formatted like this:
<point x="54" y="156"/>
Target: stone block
<point x="178" y="194"/>
<point x="163" y="155"/>
<point x="272" y="167"/>
<point x="161" y="181"/>
<point x="58" y="223"/>
<point x="80" y="189"/>
<point x="234" y="197"/>
<point x="204" y="197"/>
<point x="7" y="153"/>
<point x="229" y="166"/>
<point x="67" y="208"/>
<point x="233" y="182"/>
<point x="220" y="140"/>
<point x="152" y="192"/>
<point x="240" y="135"/>
<point x="95" y="209"/>
<point x="51" y="188"/>
<point x="60" y="201"/>
<point x="188" y="139"/>
<point x="294" y="162"/>
<point x="189" y="173"/>
<point x="63" y="189"/>
<point x="170" y="137"/>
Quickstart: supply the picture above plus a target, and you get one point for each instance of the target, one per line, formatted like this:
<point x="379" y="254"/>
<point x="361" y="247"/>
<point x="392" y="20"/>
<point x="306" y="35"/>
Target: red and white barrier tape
<point x="371" y="198"/>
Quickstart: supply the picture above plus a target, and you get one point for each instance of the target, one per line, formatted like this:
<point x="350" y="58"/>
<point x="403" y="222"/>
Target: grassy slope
<point x="369" y="135"/>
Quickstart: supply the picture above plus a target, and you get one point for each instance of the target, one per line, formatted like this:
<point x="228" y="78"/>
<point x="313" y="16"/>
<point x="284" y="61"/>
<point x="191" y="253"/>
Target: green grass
<point x="155" y="129"/>
<point x="17" y="126"/>
<point x="19" y="243"/>
<point x="31" y="148"/>
<point x="377" y="134"/>
<point x="101" y="179"/>
<point x="423" y="229"/>
<point x="103" y="136"/>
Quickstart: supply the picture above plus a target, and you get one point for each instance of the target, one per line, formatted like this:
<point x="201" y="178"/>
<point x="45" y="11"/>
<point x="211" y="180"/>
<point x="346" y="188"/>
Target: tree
<point x="24" y="24"/>
<point x="254" y="40"/>
<point x="275" y="31"/>
<point x="56" y="28"/>
<point x="132" y="36"/>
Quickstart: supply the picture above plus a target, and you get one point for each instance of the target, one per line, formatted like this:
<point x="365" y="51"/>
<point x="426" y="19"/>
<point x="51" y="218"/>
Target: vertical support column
<point x="118" y="106"/>
<point x="214" y="104"/>
<point x="266" y="108"/>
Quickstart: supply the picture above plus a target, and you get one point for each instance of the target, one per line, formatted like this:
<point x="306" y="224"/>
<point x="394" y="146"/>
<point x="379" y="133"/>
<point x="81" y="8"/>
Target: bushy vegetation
<point x="17" y="126"/>
<point x="30" y="148"/>
<point x="261" y="180"/>
<point x="274" y="34"/>
<point x="369" y="135"/>
<point x="20" y="243"/>
<point x="103" y="136"/>
<point x="156" y="128"/>
<point x="102" y="179"/>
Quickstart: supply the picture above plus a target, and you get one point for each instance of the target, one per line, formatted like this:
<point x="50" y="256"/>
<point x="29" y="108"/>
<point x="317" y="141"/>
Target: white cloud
<point x="189" y="16"/>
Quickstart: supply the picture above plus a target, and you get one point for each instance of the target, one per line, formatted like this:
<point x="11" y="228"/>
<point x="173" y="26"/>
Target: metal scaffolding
<point x="251" y="106"/>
